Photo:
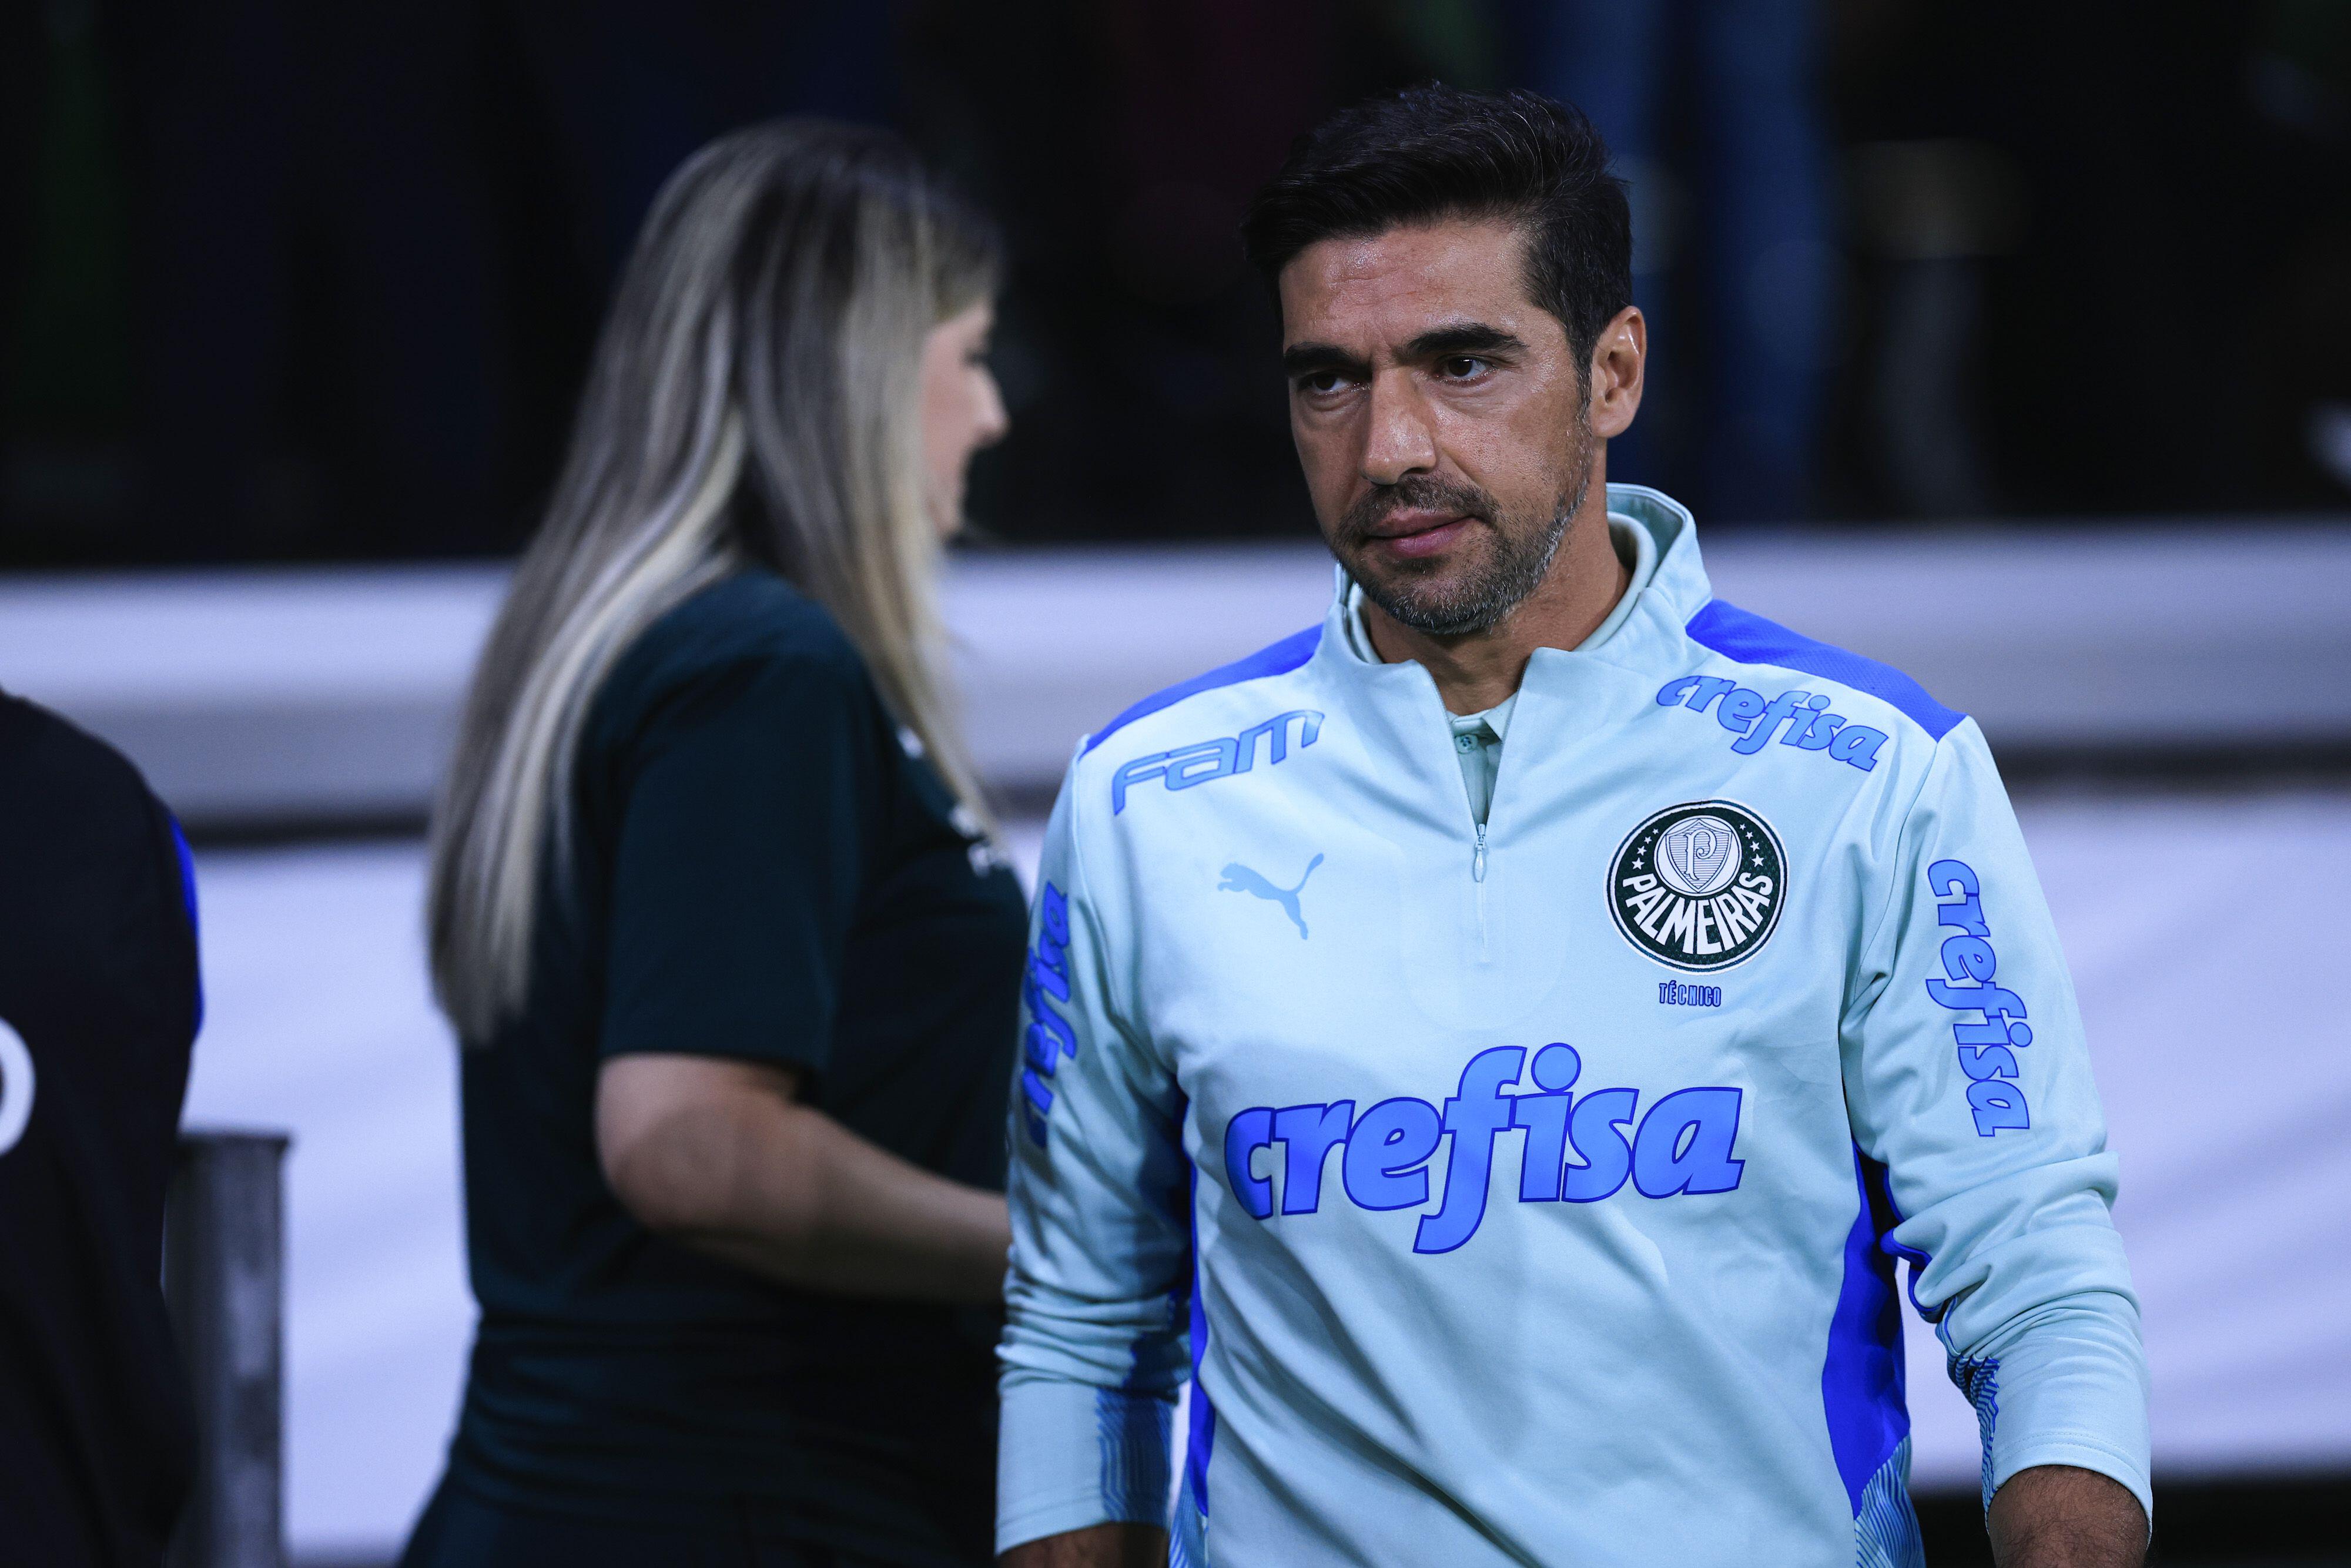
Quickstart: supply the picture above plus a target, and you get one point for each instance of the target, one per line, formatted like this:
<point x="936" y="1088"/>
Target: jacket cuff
<point x="1070" y="1455"/>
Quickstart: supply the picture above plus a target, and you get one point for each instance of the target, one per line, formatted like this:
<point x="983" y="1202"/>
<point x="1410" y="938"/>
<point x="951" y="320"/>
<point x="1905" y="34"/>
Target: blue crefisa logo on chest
<point x="1755" y="719"/>
<point x="1575" y="1147"/>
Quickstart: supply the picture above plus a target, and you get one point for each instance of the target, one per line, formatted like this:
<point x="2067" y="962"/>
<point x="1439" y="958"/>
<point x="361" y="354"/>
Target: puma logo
<point x="1239" y="878"/>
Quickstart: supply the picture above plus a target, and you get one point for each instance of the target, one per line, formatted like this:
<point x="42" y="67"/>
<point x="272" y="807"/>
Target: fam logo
<point x="1205" y="761"/>
<point x="1699" y="887"/>
<point x="1576" y="1148"/>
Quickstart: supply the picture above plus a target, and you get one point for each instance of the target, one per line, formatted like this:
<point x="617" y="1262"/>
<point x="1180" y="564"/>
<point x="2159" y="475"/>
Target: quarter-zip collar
<point x="1405" y="719"/>
<point x="1560" y="707"/>
<point x="1667" y="586"/>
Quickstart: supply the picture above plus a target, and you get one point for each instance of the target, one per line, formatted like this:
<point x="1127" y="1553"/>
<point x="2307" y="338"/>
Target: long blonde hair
<point x="771" y="324"/>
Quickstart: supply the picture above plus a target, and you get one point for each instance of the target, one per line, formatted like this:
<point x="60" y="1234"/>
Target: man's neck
<point x="1478" y="669"/>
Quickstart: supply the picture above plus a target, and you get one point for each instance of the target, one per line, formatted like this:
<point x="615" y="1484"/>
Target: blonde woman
<point x="716" y="915"/>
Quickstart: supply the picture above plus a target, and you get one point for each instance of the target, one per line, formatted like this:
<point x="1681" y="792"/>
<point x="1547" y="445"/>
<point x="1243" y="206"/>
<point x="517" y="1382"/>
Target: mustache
<point x="1427" y="492"/>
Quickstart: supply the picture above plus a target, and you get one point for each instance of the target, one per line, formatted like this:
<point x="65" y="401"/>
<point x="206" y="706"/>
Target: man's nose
<point x="1399" y="441"/>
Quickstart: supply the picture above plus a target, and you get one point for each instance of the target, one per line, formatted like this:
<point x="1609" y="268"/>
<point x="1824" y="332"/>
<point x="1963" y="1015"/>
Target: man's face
<point x="1439" y="415"/>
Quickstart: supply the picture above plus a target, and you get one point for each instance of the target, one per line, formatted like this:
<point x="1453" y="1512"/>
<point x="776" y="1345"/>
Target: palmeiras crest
<point x="1699" y="887"/>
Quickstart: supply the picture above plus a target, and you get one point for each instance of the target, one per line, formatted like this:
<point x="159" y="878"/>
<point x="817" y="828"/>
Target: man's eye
<point x="1322" y="383"/>
<point x="1461" y="367"/>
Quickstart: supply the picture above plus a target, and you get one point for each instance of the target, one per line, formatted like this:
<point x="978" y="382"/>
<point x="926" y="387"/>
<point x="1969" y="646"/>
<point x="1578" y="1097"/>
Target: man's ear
<point x="1620" y="359"/>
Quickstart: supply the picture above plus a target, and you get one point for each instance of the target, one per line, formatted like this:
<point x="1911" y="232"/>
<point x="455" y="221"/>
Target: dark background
<point x="284" y="280"/>
<point x="295" y="282"/>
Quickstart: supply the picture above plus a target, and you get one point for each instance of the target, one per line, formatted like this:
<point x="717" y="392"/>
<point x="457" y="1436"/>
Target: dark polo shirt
<point x="761" y="869"/>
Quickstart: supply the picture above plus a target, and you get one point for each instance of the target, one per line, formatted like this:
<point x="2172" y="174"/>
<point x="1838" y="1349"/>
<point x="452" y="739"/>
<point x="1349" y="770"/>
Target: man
<point x="1527" y="1015"/>
<point x="99" y="1004"/>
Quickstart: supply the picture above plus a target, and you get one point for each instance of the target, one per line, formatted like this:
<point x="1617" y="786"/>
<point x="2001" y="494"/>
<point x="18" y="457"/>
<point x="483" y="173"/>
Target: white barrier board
<point x="331" y="694"/>
<point x="2202" y="932"/>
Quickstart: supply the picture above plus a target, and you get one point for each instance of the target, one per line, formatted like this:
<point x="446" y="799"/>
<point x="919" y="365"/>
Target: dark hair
<point x="1437" y="151"/>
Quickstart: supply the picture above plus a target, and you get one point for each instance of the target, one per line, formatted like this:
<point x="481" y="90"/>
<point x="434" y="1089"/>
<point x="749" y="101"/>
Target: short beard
<point x="1483" y="598"/>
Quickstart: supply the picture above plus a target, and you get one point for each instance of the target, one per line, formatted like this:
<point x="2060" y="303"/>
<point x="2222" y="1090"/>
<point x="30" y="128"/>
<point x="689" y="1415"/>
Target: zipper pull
<point x="1477" y="859"/>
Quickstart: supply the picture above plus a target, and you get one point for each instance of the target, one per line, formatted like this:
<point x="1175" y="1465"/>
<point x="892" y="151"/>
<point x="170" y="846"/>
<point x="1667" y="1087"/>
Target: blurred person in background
<point x="719" y="919"/>
<point x="99" y="1008"/>
<point x="1752" y="216"/>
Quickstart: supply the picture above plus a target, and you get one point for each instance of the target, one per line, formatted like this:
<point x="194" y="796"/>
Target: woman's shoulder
<point x="736" y="634"/>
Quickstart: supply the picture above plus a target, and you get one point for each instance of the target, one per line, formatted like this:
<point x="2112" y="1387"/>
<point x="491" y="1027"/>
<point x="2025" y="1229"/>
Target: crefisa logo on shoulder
<point x="1699" y="886"/>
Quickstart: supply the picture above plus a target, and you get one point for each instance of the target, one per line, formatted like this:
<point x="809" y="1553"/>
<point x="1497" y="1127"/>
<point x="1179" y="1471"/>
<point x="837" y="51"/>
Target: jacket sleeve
<point x="1968" y="1078"/>
<point x="1093" y="1352"/>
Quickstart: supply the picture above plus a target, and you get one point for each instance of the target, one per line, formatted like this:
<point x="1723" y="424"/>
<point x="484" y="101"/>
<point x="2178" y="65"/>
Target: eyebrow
<point x="1305" y="358"/>
<point x="1462" y="337"/>
<point x="1453" y="337"/>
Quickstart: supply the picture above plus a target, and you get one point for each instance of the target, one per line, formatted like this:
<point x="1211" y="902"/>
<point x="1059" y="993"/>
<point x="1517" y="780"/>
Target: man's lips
<point x="1417" y="534"/>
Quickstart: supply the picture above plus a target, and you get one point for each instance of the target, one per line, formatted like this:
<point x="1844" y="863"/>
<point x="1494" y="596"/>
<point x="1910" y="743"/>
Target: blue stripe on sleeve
<point x="1277" y="660"/>
<point x="1743" y="635"/>
<point x="1980" y="1381"/>
<point x="1133" y="1431"/>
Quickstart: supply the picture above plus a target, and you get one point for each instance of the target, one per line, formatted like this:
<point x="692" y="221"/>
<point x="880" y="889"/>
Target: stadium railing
<point x="224" y="1280"/>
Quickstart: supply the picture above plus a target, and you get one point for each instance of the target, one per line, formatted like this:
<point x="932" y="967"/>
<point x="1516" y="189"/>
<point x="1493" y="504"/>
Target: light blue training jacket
<point x="1535" y="1193"/>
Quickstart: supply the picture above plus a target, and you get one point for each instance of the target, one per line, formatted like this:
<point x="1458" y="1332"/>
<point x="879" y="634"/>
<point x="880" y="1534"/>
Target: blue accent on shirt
<point x="1980" y="1381"/>
<point x="1203" y="1410"/>
<point x="188" y="901"/>
<point x="1881" y="1199"/>
<point x="1886" y="1530"/>
<point x="1743" y="635"/>
<point x="1277" y="660"/>
<point x="1862" y="1375"/>
<point x="1132" y="1431"/>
